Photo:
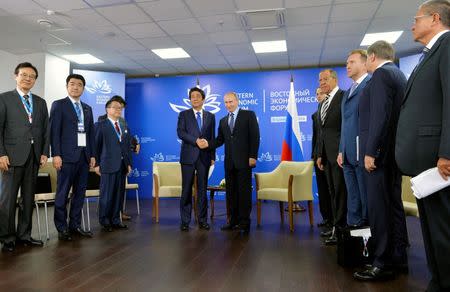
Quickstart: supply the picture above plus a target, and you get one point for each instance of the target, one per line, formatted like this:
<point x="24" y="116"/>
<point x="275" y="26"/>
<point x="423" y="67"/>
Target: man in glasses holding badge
<point x="72" y="141"/>
<point x="24" y="146"/>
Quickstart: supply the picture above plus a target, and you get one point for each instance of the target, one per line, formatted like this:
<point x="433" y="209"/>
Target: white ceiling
<point x="123" y="32"/>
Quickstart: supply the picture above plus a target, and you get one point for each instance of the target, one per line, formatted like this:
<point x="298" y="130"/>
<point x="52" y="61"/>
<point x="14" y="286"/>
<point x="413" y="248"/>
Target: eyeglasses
<point x="116" y="107"/>
<point x="26" y="76"/>
<point x="421" y="16"/>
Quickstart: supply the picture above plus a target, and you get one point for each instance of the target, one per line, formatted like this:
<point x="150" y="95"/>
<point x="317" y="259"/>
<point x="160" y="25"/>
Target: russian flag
<point x="292" y="148"/>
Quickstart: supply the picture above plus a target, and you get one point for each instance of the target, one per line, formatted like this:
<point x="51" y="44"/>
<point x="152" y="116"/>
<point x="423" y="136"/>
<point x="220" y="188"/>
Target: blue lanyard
<point x="78" y="112"/>
<point x="28" y="108"/>
<point x="115" y="130"/>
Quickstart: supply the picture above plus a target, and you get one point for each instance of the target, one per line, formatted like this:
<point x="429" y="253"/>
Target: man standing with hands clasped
<point x="194" y="125"/>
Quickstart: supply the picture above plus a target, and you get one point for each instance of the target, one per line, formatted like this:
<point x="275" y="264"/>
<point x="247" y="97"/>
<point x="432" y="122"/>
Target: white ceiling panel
<point x="260" y="4"/>
<point x="348" y="28"/>
<point x="236" y="49"/>
<point x="346" y="12"/>
<point x="223" y="22"/>
<point x="194" y="40"/>
<point x="267" y="35"/>
<point x="158" y="43"/>
<point x="62" y="6"/>
<point x="143" y="30"/>
<point x="124" y="14"/>
<point x="87" y="18"/>
<point x="241" y="59"/>
<point x="203" y="51"/>
<point x="180" y="27"/>
<point x="228" y="37"/>
<point x="210" y="7"/>
<point x="308" y="15"/>
<point x="97" y="3"/>
<point x="314" y="31"/>
<point x="399" y="8"/>
<point x="21" y="7"/>
<point x="166" y="10"/>
<point x="306" y="3"/>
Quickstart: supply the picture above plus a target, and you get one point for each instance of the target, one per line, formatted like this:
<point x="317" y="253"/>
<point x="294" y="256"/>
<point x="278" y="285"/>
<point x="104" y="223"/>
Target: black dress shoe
<point x="8" y="247"/>
<point x="64" y="235"/>
<point x="228" y="227"/>
<point x="244" y="229"/>
<point x="204" y="226"/>
<point x="331" y="241"/>
<point x="326" y="233"/>
<point x="398" y="268"/>
<point x="374" y="274"/>
<point x="30" y="242"/>
<point x="184" y="227"/>
<point x="120" y="226"/>
<point x="81" y="232"/>
<point x="107" y="228"/>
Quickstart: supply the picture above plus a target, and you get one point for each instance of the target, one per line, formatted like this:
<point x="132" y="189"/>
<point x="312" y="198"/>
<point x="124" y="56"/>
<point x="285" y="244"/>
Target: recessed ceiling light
<point x="269" y="47"/>
<point x="83" y="59"/>
<point x="390" y="36"/>
<point x="171" y="53"/>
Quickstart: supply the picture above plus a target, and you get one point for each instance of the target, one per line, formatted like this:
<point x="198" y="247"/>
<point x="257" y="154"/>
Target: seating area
<point x="409" y="201"/>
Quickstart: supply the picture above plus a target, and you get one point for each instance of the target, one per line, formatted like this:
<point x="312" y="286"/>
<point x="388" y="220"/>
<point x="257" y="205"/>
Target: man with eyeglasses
<point x="113" y="158"/>
<point x="24" y="146"/>
<point x="72" y="144"/>
<point x="423" y="134"/>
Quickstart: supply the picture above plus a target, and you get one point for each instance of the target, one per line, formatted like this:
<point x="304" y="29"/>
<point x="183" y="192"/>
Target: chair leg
<point x="88" y="214"/>
<point x="195" y="208"/>
<point x="82" y="219"/>
<point x="281" y="212"/>
<point x="211" y="202"/>
<point x="311" y="214"/>
<point x="137" y="202"/>
<point x="291" y="216"/>
<point x="258" y="212"/>
<point x="46" y="220"/>
<point x="38" y="220"/>
<point x="157" y="209"/>
<point x="153" y="207"/>
<point x="124" y="206"/>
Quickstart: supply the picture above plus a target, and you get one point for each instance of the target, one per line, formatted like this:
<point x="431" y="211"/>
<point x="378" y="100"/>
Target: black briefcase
<point x="353" y="251"/>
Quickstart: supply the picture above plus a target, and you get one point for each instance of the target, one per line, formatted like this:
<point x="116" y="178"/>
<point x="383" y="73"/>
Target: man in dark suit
<point x="194" y="125"/>
<point x="321" y="180"/>
<point x="134" y="146"/>
<point x="73" y="152"/>
<point x="348" y="159"/>
<point x="330" y="120"/>
<point x="379" y="108"/>
<point x="423" y="133"/>
<point x="113" y="158"/>
<point x="239" y="131"/>
<point x="24" y="145"/>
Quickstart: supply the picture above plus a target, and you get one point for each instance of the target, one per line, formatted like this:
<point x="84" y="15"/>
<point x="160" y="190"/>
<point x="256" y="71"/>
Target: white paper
<point x="365" y="232"/>
<point x="82" y="139"/>
<point x="428" y="182"/>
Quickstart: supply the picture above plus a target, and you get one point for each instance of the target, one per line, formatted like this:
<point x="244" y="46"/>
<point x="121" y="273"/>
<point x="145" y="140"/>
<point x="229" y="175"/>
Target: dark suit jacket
<point x="188" y="132"/>
<point x="110" y="152"/>
<point x="423" y="133"/>
<point x="16" y="131"/>
<point x="316" y="134"/>
<point x="331" y="129"/>
<point x="379" y="109"/>
<point x="350" y="123"/>
<point x="243" y="143"/>
<point x="64" y="131"/>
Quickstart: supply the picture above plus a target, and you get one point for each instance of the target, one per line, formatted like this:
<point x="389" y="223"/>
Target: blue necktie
<point x="199" y="121"/>
<point x="231" y="122"/>
<point x="352" y="89"/>
<point x="78" y="110"/>
<point x="424" y="54"/>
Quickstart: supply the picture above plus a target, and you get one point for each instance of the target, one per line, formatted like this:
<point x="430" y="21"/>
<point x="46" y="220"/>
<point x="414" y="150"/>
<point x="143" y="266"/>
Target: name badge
<point x="80" y="127"/>
<point x="82" y="139"/>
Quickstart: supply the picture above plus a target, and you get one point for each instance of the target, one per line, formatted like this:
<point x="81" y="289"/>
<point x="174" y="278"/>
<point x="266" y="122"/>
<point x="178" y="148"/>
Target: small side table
<point x="212" y="190"/>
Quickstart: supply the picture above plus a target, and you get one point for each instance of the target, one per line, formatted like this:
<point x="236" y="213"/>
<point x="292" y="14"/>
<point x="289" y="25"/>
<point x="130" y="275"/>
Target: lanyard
<point x="118" y="134"/>
<point x="28" y="106"/>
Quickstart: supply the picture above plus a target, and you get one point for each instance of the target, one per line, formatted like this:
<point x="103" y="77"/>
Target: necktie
<point x="199" y="121"/>
<point x="352" y="89"/>
<point x="231" y="122"/>
<point x="78" y="110"/>
<point x="323" y="111"/>
<point x="116" y="125"/>
<point x="27" y="100"/>
<point x="424" y="54"/>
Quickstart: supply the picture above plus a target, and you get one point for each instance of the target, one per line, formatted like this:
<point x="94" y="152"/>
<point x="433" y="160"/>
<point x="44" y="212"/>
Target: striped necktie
<point x="325" y="106"/>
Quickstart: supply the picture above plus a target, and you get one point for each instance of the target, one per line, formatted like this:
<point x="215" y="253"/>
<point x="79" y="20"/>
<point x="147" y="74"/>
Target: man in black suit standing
<point x="24" y="146"/>
<point x="321" y="180"/>
<point x="330" y="121"/>
<point x="194" y="125"/>
<point x="423" y="133"/>
<point x="239" y="131"/>
<point x="379" y="108"/>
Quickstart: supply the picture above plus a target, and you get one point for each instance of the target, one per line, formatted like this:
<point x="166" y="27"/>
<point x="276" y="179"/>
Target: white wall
<point x="56" y="71"/>
<point x="8" y="63"/>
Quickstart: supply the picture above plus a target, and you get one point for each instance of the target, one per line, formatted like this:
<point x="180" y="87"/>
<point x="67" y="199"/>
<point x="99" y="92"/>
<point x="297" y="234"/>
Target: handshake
<point x="202" y="143"/>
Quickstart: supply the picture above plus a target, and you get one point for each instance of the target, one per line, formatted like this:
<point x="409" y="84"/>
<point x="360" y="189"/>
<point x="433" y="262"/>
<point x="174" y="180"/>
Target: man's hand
<point x="92" y="164"/>
<point x="443" y="166"/>
<point x="137" y="149"/>
<point x="202" y="143"/>
<point x="369" y="163"/>
<point x="212" y="162"/>
<point x="252" y="162"/>
<point x="97" y="170"/>
<point x="4" y="163"/>
<point x="129" y="169"/>
<point x="57" y="162"/>
<point x="319" y="163"/>
<point x="339" y="159"/>
<point x="43" y="160"/>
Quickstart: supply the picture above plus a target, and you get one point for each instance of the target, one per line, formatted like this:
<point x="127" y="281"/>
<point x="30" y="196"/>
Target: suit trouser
<point x="75" y="176"/>
<point x="386" y="216"/>
<point x="188" y="174"/>
<point x="434" y="213"/>
<point x="23" y="177"/>
<point x="338" y="193"/>
<point x="354" y="176"/>
<point x="324" y="195"/>
<point x="239" y="195"/>
<point x="111" y="195"/>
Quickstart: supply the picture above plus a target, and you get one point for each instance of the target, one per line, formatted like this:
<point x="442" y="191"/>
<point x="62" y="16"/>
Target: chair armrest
<point x="302" y="187"/>
<point x="266" y="180"/>
<point x="155" y="186"/>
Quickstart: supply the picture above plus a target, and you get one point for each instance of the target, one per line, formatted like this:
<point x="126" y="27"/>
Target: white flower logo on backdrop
<point x="99" y="86"/>
<point x="134" y="173"/>
<point x="158" y="157"/>
<point x="211" y="104"/>
<point x="265" y="157"/>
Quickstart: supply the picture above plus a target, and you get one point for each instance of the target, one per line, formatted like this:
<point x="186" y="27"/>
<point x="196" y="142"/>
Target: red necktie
<point x="116" y="125"/>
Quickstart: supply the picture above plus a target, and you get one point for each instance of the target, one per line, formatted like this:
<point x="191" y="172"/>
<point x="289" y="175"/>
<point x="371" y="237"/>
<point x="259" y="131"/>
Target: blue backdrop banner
<point x="154" y="104"/>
